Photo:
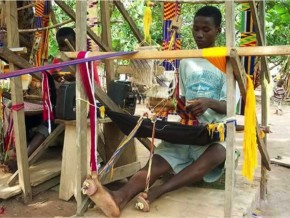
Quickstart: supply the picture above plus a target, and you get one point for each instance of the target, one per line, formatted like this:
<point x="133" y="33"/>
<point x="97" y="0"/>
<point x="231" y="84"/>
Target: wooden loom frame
<point x="234" y="71"/>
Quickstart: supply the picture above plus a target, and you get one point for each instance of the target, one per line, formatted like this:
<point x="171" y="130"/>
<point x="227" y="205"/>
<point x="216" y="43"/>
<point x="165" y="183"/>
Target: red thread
<point x="17" y="107"/>
<point x="93" y="110"/>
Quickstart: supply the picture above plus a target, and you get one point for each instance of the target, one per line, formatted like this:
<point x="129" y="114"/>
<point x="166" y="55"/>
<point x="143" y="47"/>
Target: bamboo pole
<point x="81" y="106"/>
<point x="17" y="99"/>
<point x="265" y="100"/>
<point x="231" y="99"/>
<point x="282" y="50"/>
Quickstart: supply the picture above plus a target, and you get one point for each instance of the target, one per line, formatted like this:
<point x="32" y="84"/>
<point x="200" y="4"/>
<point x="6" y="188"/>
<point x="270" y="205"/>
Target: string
<point x="150" y="157"/>
<point x="114" y="158"/>
<point x="17" y="107"/>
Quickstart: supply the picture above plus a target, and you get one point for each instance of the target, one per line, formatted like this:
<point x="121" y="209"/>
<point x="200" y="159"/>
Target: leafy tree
<point x="278" y="25"/>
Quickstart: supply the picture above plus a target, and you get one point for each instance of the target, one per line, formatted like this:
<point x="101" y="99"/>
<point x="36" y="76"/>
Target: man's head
<point x="280" y="83"/>
<point x="206" y="26"/>
<point x="63" y="34"/>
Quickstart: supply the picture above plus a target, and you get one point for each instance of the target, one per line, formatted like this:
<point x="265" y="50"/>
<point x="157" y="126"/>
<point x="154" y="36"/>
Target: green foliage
<point x="277" y="24"/>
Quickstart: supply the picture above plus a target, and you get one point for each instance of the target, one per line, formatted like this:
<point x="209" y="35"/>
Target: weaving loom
<point x="169" y="131"/>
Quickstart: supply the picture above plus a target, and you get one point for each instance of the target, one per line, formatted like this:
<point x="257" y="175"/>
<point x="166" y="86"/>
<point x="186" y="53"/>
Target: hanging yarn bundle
<point x="250" y="140"/>
<point x="147" y="21"/>
<point x="165" y="85"/>
<point x="144" y="69"/>
<point x="216" y="56"/>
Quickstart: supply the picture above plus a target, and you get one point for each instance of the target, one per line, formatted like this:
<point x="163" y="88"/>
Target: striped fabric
<point x="170" y="11"/>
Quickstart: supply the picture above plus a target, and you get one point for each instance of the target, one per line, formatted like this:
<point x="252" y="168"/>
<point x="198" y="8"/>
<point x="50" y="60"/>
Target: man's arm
<point x="199" y="105"/>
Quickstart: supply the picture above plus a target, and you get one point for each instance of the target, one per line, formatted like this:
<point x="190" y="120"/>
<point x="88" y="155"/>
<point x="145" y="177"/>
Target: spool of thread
<point x="183" y="121"/>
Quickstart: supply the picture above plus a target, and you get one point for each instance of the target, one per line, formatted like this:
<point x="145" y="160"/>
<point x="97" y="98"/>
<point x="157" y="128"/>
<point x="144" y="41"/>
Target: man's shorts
<point x="180" y="156"/>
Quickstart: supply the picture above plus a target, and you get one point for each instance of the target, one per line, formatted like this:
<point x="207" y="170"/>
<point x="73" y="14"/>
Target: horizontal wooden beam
<point x="180" y="54"/>
<point x="8" y="55"/>
<point x="20" y="50"/>
<point x="201" y="1"/>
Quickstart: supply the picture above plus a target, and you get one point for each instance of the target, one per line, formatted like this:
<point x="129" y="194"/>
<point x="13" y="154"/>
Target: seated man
<point x="66" y="42"/>
<point x="65" y="38"/>
<point x="204" y="89"/>
<point x="62" y="35"/>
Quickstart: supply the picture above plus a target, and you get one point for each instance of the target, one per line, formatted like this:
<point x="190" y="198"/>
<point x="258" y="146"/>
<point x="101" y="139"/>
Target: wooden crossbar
<point x="197" y="53"/>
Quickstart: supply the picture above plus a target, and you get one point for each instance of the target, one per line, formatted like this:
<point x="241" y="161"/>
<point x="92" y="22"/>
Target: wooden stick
<point x="45" y="28"/>
<point x="26" y="6"/>
<point x="231" y="130"/>
<point x="281" y="50"/>
<point x="67" y="42"/>
<point x="201" y="1"/>
<point x="17" y="98"/>
<point x="41" y="29"/>
<point x="260" y="37"/>
<point x="19" y="50"/>
<point x="37" y="153"/>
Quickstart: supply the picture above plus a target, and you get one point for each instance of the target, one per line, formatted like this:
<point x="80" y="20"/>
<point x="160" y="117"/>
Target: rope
<point x="110" y="164"/>
<point x="150" y="157"/>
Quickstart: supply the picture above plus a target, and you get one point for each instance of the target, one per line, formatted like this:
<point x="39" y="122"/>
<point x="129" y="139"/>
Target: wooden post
<point x="81" y="105"/>
<point x="107" y="38"/>
<point x="17" y="99"/>
<point x="231" y="99"/>
<point x="260" y="37"/>
<point x="265" y="100"/>
<point x="113" y="140"/>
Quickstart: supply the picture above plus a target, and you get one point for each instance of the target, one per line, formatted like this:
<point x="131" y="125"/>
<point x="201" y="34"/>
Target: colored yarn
<point x="216" y="131"/>
<point x="147" y="22"/>
<point x="87" y="78"/>
<point x="250" y="140"/>
<point x="216" y="56"/>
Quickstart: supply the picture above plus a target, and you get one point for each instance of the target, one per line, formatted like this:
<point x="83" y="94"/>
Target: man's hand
<point x="197" y="106"/>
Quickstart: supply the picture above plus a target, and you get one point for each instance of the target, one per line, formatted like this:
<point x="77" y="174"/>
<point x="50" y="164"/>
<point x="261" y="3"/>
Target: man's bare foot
<point x="102" y="198"/>
<point x="142" y="203"/>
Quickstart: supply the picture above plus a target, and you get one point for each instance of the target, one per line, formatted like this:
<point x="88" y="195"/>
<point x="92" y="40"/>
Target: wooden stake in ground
<point x="17" y="100"/>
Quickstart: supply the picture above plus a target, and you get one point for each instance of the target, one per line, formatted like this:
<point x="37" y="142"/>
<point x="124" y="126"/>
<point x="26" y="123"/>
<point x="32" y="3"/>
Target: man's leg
<point x="137" y="182"/>
<point x="110" y="202"/>
<point x="210" y="159"/>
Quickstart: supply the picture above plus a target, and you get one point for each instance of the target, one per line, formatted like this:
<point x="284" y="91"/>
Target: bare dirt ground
<point x="277" y="204"/>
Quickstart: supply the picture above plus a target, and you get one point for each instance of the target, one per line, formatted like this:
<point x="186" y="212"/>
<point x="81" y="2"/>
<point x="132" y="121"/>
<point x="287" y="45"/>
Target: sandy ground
<point x="277" y="204"/>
